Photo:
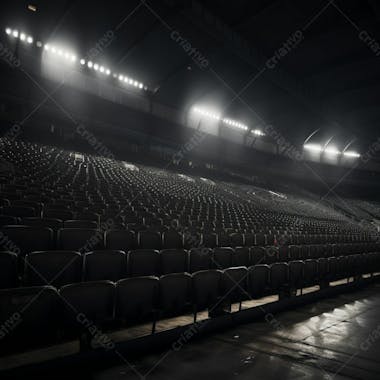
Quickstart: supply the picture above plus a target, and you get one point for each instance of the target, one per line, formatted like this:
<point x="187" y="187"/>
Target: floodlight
<point x="22" y="37"/>
<point x="89" y="64"/>
<point x="15" y="33"/>
<point x="351" y="154"/>
<point x="82" y="61"/>
<point x="313" y="147"/>
<point x="8" y="31"/>
<point x="29" y="40"/>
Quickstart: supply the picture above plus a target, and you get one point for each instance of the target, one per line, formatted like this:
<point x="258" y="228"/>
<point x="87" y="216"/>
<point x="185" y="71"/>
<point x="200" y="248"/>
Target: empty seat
<point x="249" y="239"/>
<point x="53" y="268"/>
<point x="223" y="240"/>
<point x="172" y="240"/>
<point x="310" y="273"/>
<point x="8" y="270"/>
<point x="54" y="224"/>
<point x="296" y="274"/>
<point x="120" y="239"/>
<point x="236" y="240"/>
<point x="18" y="211"/>
<point x="143" y="262"/>
<point x="173" y="261"/>
<point x="271" y="255"/>
<point x="104" y="265"/>
<point x="80" y="239"/>
<point x="241" y="257"/>
<point x="25" y="239"/>
<point x="279" y="276"/>
<point x="206" y="290"/>
<point x="149" y="240"/>
<point x="258" y="277"/>
<point x="7" y="220"/>
<point x="58" y="214"/>
<point x="175" y="293"/>
<point x="209" y="240"/>
<point x="137" y="299"/>
<point x="88" y="303"/>
<point x="80" y="224"/>
<point x="221" y="257"/>
<point x="258" y="255"/>
<point x="260" y="239"/>
<point x="234" y="284"/>
<point x="32" y="316"/>
<point x="199" y="259"/>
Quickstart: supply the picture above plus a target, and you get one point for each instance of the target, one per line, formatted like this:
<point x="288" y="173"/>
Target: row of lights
<point x="71" y="57"/>
<point x="332" y="150"/>
<point x="232" y="123"/>
<point x="16" y="34"/>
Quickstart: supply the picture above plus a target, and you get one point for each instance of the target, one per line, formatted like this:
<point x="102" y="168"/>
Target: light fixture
<point x="257" y="132"/>
<point x="89" y="64"/>
<point x="73" y="58"/>
<point x="22" y="37"/>
<point x="82" y="62"/>
<point x="108" y="71"/>
<point x="101" y="69"/>
<point x="29" y="40"/>
<point x="351" y="154"/>
<point x="331" y="151"/>
<point x="15" y="33"/>
<point x="46" y="47"/>
<point x="8" y="31"/>
<point x="313" y="147"/>
<point x="121" y="77"/>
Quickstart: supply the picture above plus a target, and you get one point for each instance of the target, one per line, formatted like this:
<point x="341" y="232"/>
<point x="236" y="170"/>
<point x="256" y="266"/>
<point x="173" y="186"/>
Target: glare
<point x="53" y="49"/>
<point x="39" y="44"/>
<point x="89" y="64"/>
<point x="47" y="47"/>
<point x="351" y="154"/>
<point x="60" y="52"/>
<point x="29" y="40"/>
<point x="257" y="132"/>
<point x="212" y="115"/>
<point x="8" y="31"/>
<point x="141" y="85"/>
<point x="73" y="58"/>
<point x="22" y="37"/>
<point x="101" y="69"/>
<point x="121" y="77"/>
<point x="332" y="151"/>
<point x="15" y="33"/>
<point x="313" y="147"/>
<point x="108" y="72"/>
<point x="235" y="124"/>
<point x="82" y="62"/>
<point x="96" y="67"/>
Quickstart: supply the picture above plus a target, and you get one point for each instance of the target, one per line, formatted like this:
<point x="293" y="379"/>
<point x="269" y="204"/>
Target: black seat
<point x="80" y="224"/>
<point x="149" y="240"/>
<point x="234" y="284"/>
<point x="143" y="262"/>
<point x="279" y="277"/>
<point x="55" y="268"/>
<point x="8" y="220"/>
<point x="173" y="261"/>
<point x="120" y="240"/>
<point x="221" y="258"/>
<point x="199" y="259"/>
<point x="209" y="240"/>
<point x="8" y="270"/>
<point x="242" y="257"/>
<point x="172" y="240"/>
<point x="258" y="278"/>
<point x="80" y="239"/>
<point x="104" y="265"/>
<point x="18" y="211"/>
<point x="296" y="274"/>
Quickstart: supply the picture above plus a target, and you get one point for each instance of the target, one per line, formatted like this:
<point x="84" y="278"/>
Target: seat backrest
<point x="310" y="272"/>
<point x="173" y="261"/>
<point x="296" y="274"/>
<point x="55" y="268"/>
<point x="143" y="262"/>
<point x="175" y="293"/>
<point x="104" y="265"/>
<point x="80" y="239"/>
<point x="25" y="239"/>
<point x="241" y="257"/>
<point x="54" y="224"/>
<point x="221" y="258"/>
<point x="258" y="255"/>
<point x="206" y="288"/>
<point x="80" y="224"/>
<point x="234" y="283"/>
<point x="258" y="278"/>
<point x="172" y="240"/>
<point x="8" y="270"/>
<point x="8" y="220"/>
<point x="236" y="240"/>
<point x="120" y="240"/>
<point x="88" y="302"/>
<point x="18" y="211"/>
<point x="149" y="240"/>
<point x="209" y="240"/>
<point x="279" y="276"/>
<point x="199" y="259"/>
<point x="136" y="298"/>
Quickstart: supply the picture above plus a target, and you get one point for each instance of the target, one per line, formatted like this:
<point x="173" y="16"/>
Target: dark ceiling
<point x="329" y="80"/>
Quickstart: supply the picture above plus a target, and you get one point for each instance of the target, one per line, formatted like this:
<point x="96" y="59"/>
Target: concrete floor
<point x="337" y="338"/>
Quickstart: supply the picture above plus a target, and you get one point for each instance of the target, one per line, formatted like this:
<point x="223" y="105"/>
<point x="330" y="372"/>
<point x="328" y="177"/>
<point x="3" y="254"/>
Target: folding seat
<point x="296" y="274"/>
<point x="80" y="224"/>
<point x="58" y="214"/>
<point x="137" y="300"/>
<point x="279" y="277"/>
<point x="8" y="220"/>
<point x="175" y="293"/>
<point x="8" y="270"/>
<point x="249" y="239"/>
<point x="89" y="216"/>
<point x="120" y="240"/>
<point x="149" y="240"/>
<point x="32" y="317"/>
<point x="322" y="269"/>
<point x="270" y="239"/>
<point x="260" y="239"/>
<point x="192" y="239"/>
<point x="310" y="272"/>
<point x="206" y="291"/>
<point x="80" y="239"/>
<point x="234" y="285"/>
<point x="332" y="274"/>
<point x="25" y="239"/>
<point x="209" y="240"/>
<point x="37" y="206"/>
<point x="221" y="258"/>
<point x="341" y="267"/>
<point x="172" y="239"/>
<point x="173" y="261"/>
<point x="237" y="240"/>
<point x="241" y="257"/>
<point x="223" y="239"/>
<point x="86" y="305"/>
<point x="54" y="224"/>
<point x="18" y="211"/>
<point x="258" y="278"/>
<point x="143" y="262"/>
<point x="104" y="265"/>
<point x="294" y="252"/>
<point x="199" y="259"/>
<point x="258" y="255"/>
<point x="55" y="268"/>
<point x="271" y="255"/>
<point x="283" y="253"/>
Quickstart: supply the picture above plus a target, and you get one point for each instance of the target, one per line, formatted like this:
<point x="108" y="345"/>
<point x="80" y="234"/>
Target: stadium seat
<point x="234" y="284"/>
<point x="143" y="262"/>
<point x="80" y="239"/>
<point x="149" y="240"/>
<point x="120" y="240"/>
<point x="173" y="261"/>
<point x="199" y="259"/>
<point x="221" y="258"/>
<point x="258" y="280"/>
<point x="8" y="270"/>
<point x="172" y="240"/>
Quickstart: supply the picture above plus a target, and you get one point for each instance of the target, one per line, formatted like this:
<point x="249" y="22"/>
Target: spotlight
<point x="67" y="55"/>
<point x="108" y="72"/>
<point x="60" y="52"/>
<point x="15" y="33"/>
<point x="332" y="151"/>
<point x="22" y="37"/>
<point x="53" y="49"/>
<point x="114" y="75"/>
<point x="96" y="67"/>
<point x="101" y="69"/>
<point x="135" y="83"/>
<point x="39" y="44"/>
<point x="8" y="31"/>
<point x="89" y="64"/>
<point x="73" y="58"/>
<point x="46" y="47"/>
<point x="121" y="77"/>
<point x="141" y="85"/>
<point x="125" y="79"/>
<point x="29" y="40"/>
<point x="82" y="61"/>
<point x="130" y="81"/>
<point x="351" y="154"/>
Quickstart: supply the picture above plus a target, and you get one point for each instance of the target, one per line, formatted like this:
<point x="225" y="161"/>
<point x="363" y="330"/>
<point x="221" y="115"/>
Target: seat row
<point x="74" y="309"/>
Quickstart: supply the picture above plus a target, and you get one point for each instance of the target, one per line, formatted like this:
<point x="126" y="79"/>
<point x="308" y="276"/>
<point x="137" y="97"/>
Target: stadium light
<point x="331" y="151"/>
<point x="89" y="64"/>
<point x="257" y="132"/>
<point x="22" y="37"/>
<point x="29" y="40"/>
<point x="236" y="124"/>
<point x="8" y="31"/>
<point x="212" y="115"/>
<point x="313" y="147"/>
<point x="15" y="33"/>
<point x="351" y="154"/>
<point x="82" y="62"/>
